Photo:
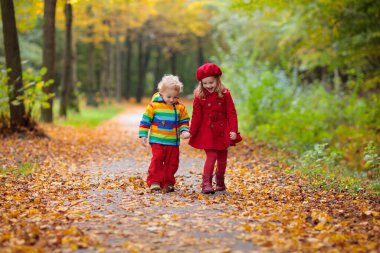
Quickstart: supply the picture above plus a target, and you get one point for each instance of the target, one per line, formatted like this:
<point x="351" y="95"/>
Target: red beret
<point x="208" y="69"/>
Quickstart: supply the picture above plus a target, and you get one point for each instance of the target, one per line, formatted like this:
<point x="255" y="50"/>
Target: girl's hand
<point x="185" y="135"/>
<point x="233" y="136"/>
<point x="144" y="141"/>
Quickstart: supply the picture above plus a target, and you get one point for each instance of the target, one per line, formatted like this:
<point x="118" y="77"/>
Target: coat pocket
<point x="218" y="128"/>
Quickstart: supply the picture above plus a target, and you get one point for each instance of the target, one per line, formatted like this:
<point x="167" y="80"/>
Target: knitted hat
<point x="208" y="69"/>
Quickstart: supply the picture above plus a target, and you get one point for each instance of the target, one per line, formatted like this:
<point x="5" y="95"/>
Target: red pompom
<point x="208" y="69"/>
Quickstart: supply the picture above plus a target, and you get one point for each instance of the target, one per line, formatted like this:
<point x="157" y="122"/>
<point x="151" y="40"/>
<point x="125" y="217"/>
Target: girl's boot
<point x="207" y="185"/>
<point x="220" y="186"/>
<point x="221" y="170"/>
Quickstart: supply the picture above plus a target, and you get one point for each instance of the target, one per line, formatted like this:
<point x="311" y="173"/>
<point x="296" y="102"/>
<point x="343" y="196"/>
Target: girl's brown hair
<point x="200" y="91"/>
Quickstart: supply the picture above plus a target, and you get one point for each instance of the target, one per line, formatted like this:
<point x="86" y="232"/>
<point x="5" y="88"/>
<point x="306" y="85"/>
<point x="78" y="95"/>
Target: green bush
<point x="32" y="96"/>
<point x="263" y="67"/>
<point x="276" y="109"/>
<point x="4" y="98"/>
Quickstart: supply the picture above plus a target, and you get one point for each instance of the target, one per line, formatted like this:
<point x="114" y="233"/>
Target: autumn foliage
<point x="48" y="189"/>
<point x="305" y="78"/>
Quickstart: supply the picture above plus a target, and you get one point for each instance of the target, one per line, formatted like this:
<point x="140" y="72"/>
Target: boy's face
<point x="170" y="96"/>
<point x="209" y="83"/>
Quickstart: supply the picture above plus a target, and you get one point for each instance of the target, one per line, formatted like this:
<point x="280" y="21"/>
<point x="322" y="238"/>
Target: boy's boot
<point x="207" y="184"/>
<point x="220" y="186"/>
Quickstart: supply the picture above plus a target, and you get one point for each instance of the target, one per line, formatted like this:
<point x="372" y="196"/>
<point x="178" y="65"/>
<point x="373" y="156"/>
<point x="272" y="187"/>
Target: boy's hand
<point x="144" y="141"/>
<point x="185" y="135"/>
<point x="233" y="136"/>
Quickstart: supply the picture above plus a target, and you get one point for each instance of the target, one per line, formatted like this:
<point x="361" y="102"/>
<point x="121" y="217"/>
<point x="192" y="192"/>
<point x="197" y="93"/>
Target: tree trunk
<point x="67" y="69"/>
<point x="91" y="70"/>
<point x="91" y="76"/>
<point x="73" y="98"/>
<point x="146" y="59"/>
<point x="157" y="70"/>
<point x="103" y="73"/>
<point x="337" y="81"/>
<point x="105" y="83"/>
<point x="173" y="59"/>
<point x="201" y="58"/>
<point x="13" y="62"/>
<point x="49" y="55"/>
<point x="118" y="69"/>
<point x="111" y="86"/>
<point x="128" y="69"/>
<point x="143" y="60"/>
<point x="140" y="54"/>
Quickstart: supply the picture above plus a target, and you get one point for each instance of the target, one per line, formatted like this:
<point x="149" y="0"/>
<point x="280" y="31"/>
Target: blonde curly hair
<point x="170" y="82"/>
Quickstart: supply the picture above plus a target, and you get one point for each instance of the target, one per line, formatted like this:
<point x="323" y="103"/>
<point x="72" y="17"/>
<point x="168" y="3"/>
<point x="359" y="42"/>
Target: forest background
<point x="304" y="74"/>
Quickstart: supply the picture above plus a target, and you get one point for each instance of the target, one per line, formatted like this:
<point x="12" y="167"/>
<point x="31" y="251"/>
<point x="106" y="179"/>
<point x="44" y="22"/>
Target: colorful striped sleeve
<point x="146" y="121"/>
<point x="183" y="120"/>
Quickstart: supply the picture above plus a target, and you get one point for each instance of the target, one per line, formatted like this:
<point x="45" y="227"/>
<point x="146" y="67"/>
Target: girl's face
<point x="209" y="83"/>
<point x="170" y="96"/>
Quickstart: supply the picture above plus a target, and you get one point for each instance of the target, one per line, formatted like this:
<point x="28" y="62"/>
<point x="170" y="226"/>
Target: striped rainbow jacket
<point x="164" y="121"/>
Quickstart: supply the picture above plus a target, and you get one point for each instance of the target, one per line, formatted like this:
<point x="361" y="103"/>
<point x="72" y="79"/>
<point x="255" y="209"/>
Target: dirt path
<point x="87" y="193"/>
<point x="124" y="216"/>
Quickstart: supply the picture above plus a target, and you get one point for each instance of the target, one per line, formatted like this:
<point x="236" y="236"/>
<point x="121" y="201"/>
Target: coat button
<point x="209" y="104"/>
<point x="212" y="125"/>
<point x="219" y="103"/>
<point x="221" y="125"/>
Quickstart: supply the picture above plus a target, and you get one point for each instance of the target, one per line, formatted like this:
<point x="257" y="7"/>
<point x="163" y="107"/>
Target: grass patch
<point x="88" y="116"/>
<point x="325" y="169"/>
<point x="24" y="169"/>
<point x="334" y="178"/>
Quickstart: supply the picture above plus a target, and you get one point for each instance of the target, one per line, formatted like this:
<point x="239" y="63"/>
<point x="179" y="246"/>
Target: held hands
<point x="233" y="136"/>
<point x="144" y="141"/>
<point x="185" y="135"/>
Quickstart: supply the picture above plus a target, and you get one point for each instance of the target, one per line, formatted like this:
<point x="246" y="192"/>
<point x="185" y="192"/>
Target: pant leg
<point x="171" y="164"/>
<point x="156" y="167"/>
<point x="221" y="162"/>
<point x="211" y="157"/>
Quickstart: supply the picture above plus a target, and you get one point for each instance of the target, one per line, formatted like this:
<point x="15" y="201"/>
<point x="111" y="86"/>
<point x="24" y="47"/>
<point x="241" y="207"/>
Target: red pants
<point x="212" y="156"/>
<point x="164" y="165"/>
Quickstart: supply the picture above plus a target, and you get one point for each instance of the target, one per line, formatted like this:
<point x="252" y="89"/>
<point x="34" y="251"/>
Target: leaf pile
<point x="36" y="207"/>
<point x="284" y="214"/>
<point x="87" y="189"/>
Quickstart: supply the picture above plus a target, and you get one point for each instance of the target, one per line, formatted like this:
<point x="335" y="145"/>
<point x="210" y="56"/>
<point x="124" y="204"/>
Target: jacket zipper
<point x="176" y="124"/>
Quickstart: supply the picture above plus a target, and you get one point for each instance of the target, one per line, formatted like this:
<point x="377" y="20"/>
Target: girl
<point x="214" y="125"/>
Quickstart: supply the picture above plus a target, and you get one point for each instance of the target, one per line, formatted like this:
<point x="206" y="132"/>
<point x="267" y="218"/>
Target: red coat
<point x="213" y="119"/>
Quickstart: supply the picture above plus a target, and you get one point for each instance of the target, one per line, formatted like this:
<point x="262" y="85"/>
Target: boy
<point x="168" y="120"/>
